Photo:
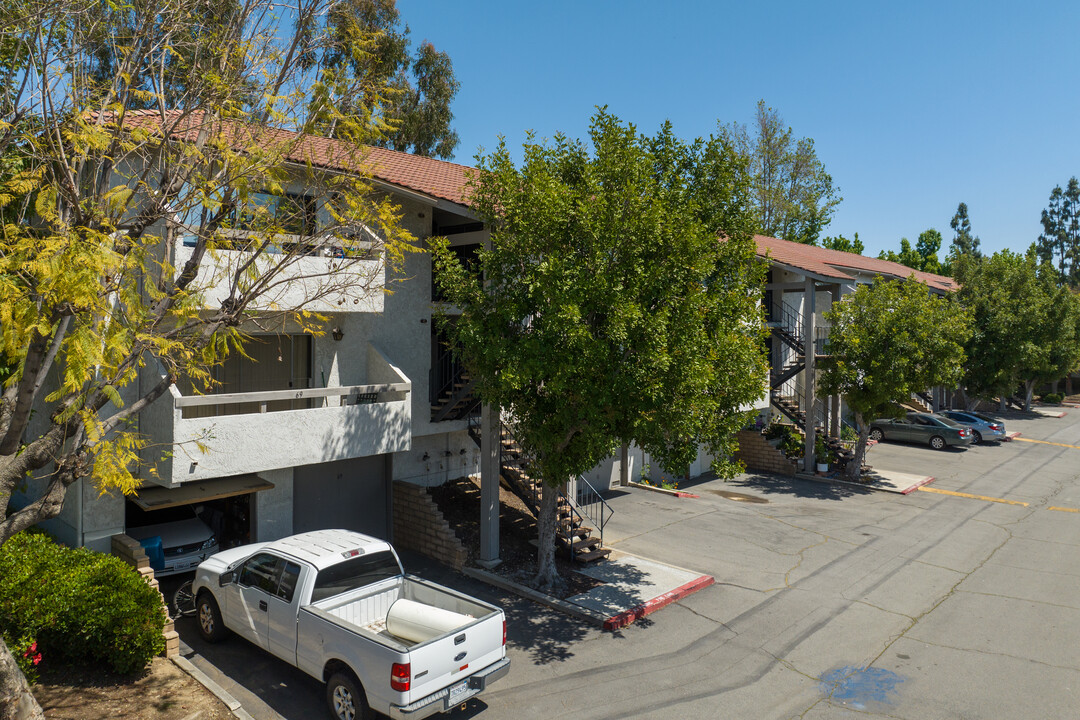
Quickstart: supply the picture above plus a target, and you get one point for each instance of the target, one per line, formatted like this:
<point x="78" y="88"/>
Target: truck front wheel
<point x="345" y="699"/>
<point x="211" y="628"/>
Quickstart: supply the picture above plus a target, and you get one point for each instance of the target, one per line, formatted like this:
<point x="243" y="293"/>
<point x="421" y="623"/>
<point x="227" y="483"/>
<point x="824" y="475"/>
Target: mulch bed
<point x="459" y="501"/>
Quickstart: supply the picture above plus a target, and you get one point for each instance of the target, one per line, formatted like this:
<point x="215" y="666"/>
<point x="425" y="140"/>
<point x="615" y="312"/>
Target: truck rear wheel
<point x="345" y="698"/>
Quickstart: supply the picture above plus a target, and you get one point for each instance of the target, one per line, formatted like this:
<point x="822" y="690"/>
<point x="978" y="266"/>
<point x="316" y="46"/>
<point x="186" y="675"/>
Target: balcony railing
<point x="255" y="432"/>
<point x="259" y="402"/>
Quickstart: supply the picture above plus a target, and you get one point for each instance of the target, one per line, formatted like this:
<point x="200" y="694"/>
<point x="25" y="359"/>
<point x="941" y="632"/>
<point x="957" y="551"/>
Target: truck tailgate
<point x="450" y="659"/>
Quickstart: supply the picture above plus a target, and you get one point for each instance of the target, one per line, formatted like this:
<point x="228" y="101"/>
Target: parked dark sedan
<point x="934" y="430"/>
<point x="983" y="427"/>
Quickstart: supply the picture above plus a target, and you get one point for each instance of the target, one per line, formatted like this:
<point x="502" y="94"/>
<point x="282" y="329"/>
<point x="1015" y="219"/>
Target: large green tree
<point x="886" y="341"/>
<point x="422" y="86"/>
<point x="618" y="301"/>
<point x="791" y="194"/>
<point x="1025" y="324"/>
<point x="95" y="197"/>
<point x="843" y="244"/>
<point x="922" y="257"/>
<point x="1059" y="243"/>
<point x="964" y="243"/>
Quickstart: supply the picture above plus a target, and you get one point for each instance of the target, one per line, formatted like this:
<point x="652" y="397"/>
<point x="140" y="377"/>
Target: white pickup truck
<point x="330" y="603"/>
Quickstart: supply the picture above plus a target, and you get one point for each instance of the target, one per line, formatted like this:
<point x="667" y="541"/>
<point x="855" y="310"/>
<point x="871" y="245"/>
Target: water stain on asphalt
<point x="857" y="687"/>
<point x="738" y="497"/>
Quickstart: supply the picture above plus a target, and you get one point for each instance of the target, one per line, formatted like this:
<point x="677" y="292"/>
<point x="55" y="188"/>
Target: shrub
<point x="1053" y="398"/>
<point x="79" y="605"/>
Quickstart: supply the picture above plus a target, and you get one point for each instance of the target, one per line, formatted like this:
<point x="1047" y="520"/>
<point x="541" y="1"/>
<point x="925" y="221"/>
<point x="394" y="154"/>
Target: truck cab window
<point x="289" y="576"/>
<point x="355" y="573"/>
<point x="262" y="572"/>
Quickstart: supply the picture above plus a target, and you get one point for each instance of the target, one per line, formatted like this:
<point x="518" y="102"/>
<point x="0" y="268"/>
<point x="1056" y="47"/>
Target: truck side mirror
<point x="226" y="577"/>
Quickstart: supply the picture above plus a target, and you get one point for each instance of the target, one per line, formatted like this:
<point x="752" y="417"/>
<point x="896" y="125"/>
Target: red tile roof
<point x="437" y="178"/>
<point x="841" y="265"/>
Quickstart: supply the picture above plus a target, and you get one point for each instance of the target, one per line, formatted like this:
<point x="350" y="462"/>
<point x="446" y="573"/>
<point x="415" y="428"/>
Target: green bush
<point x="80" y="606"/>
<point x="1053" y="398"/>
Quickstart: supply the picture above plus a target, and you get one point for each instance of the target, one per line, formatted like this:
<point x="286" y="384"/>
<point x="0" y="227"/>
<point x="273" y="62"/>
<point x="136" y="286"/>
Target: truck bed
<point x="365" y="610"/>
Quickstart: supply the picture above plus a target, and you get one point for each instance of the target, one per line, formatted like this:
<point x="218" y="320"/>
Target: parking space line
<point x="1046" y="442"/>
<point x="987" y="498"/>
<point x="1061" y="509"/>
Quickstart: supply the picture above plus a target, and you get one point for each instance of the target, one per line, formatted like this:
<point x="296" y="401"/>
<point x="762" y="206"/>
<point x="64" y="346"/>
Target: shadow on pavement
<point x="782" y="485"/>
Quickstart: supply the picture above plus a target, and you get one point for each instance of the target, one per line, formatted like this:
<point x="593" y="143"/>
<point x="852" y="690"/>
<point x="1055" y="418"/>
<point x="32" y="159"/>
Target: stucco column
<point x="810" y="378"/>
<point x="490" y="444"/>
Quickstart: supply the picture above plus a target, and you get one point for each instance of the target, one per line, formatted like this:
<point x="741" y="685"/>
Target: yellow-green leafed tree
<point x="161" y="198"/>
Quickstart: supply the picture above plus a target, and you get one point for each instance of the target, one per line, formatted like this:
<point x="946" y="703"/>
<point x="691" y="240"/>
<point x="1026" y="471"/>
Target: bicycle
<point x="183" y="603"/>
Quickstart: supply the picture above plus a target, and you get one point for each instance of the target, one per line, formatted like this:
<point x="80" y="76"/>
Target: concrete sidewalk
<point x="892" y="481"/>
<point x="635" y="587"/>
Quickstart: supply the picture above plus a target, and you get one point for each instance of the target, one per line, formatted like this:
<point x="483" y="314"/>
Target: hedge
<point x="79" y="605"/>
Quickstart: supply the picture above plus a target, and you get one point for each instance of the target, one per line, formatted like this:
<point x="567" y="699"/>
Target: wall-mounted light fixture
<point x="462" y="451"/>
<point x="337" y="334"/>
<point x="426" y="457"/>
<point x="447" y="453"/>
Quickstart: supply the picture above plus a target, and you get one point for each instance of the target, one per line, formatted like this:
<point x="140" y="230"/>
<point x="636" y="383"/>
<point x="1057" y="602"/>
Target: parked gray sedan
<point x="934" y="430"/>
<point x="982" y="426"/>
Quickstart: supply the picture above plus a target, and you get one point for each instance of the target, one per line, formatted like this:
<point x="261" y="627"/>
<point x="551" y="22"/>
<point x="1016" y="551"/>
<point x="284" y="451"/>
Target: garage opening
<point x="180" y="527"/>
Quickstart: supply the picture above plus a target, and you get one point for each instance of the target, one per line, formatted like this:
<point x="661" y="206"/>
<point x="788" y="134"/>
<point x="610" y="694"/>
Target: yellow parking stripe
<point x="987" y="498"/>
<point x="1075" y="510"/>
<point x="1045" y="442"/>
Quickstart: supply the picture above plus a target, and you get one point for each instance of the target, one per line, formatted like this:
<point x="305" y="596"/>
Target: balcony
<point x="237" y="433"/>
<point x="316" y="282"/>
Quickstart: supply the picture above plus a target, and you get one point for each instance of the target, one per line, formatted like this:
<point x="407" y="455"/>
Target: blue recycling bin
<point x="152" y="546"/>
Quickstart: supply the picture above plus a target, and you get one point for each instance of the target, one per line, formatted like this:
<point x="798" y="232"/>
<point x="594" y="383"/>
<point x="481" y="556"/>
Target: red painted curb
<point x="680" y="493"/>
<point x="626" y="617"/>
<point x="916" y="486"/>
<point x="1011" y="436"/>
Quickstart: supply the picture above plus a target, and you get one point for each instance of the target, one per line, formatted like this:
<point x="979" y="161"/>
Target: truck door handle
<point x="262" y="605"/>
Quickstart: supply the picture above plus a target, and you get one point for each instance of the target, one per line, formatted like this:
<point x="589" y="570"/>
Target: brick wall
<point x="420" y="526"/>
<point x="130" y="551"/>
<point x="757" y="454"/>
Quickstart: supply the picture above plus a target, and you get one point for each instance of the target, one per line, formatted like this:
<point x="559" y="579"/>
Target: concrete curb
<point x="626" y="617"/>
<point x="575" y="611"/>
<point x="664" y="491"/>
<point x="219" y="692"/>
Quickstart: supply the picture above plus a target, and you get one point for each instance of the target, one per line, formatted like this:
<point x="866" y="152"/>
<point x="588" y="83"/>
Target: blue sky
<point x="914" y="107"/>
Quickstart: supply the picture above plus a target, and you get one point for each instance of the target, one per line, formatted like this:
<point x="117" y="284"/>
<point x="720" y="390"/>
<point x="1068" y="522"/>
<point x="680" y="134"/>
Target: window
<point x="262" y="572"/>
<point x="355" y="573"/>
<point x="293" y="213"/>
<point x="289" y="576"/>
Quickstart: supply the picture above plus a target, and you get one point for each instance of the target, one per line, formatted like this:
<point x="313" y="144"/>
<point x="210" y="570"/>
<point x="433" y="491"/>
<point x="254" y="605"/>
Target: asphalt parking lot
<point x="960" y="600"/>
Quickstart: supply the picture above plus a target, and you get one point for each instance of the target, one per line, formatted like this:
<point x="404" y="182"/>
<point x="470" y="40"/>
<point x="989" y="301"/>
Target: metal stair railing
<point x="590" y="505"/>
<point x="789" y="326"/>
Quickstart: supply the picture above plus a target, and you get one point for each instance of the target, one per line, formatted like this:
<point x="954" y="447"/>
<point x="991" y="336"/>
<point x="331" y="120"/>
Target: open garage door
<point x="348" y="494"/>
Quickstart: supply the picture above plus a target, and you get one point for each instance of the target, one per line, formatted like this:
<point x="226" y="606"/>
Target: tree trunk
<point x="853" y="471"/>
<point x="546" y="576"/>
<point x="16" y="702"/>
<point x="1001" y="406"/>
<point x="1029" y="390"/>
<point x="624" y="466"/>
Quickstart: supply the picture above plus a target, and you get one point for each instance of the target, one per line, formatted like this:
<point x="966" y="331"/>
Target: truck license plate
<point x="458" y="692"/>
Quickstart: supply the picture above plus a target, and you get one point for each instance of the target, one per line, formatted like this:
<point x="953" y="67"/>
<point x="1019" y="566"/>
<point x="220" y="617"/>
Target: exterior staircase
<point x="451" y="388"/>
<point x="574" y="536"/>
<point x="788" y="327"/>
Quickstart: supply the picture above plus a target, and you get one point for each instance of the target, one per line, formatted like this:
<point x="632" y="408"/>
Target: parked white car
<point x="337" y="605"/>
<point x="185" y="539"/>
